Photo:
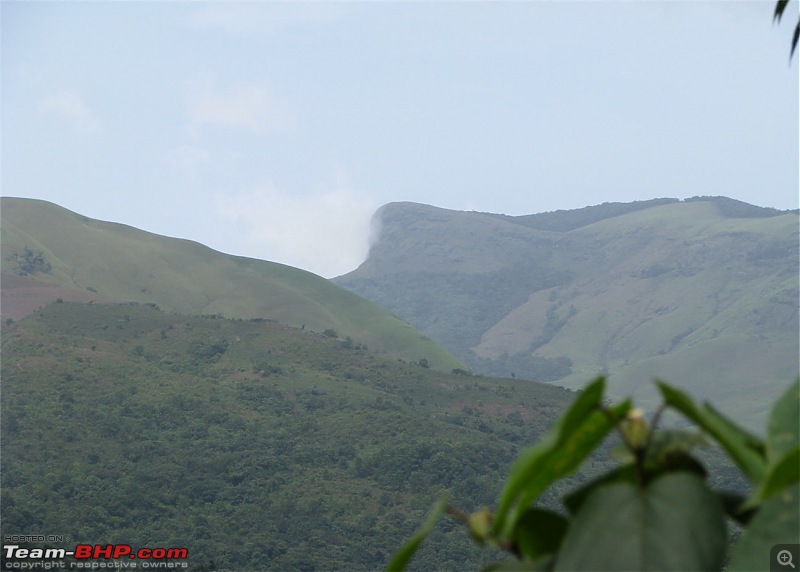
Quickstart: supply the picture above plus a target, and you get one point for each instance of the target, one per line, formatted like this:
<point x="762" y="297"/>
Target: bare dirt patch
<point x="492" y="409"/>
<point x="23" y="295"/>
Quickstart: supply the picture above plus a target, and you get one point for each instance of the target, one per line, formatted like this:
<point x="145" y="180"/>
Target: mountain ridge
<point x="83" y="259"/>
<point x="664" y="288"/>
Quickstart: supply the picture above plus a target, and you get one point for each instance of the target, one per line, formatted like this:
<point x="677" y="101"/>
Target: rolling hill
<point x="49" y="252"/>
<point x="254" y="445"/>
<point x="701" y="292"/>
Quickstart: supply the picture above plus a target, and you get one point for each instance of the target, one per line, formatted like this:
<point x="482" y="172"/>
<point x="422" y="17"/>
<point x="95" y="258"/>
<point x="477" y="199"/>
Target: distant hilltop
<point x="50" y="252"/>
<point x="702" y="292"/>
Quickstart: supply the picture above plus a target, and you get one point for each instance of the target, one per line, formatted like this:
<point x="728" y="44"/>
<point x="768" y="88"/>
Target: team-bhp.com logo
<point x="93" y="556"/>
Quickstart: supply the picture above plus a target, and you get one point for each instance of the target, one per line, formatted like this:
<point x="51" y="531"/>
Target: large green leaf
<point x="404" y="555"/>
<point x="669" y="444"/>
<point x="575" y="499"/>
<point x="782" y="447"/>
<point x="783" y="427"/>
<point x="524" y="467"/>
<point x="779" y="475"/>
<point x="676" y="523"/>
<point x="777" y="522"/>
<point x="566" y="457"/>
<point x="629" y="473"/>
<point x="586" y="402"/>
<point x="745" y="449"/>
<point x="574" y="437"/>
<point x="539" y="533"/>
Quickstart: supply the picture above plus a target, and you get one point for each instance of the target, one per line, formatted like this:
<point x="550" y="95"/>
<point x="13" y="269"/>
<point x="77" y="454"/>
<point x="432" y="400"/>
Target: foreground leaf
<point x="782" y="447"/>
<point x="676" y="523"/>
<point x="783" y="427"/>
<point x="524" y="468"/>
<point x="779" y="476"/>
<point x="539" y="533"/>
<point x="734" y="505"/>
<point x="669" y="444"/>
<point x="624" y="474"/>
<point x="404" y="555"/>
<point x="577" y="433"/>
<point x="745" y="449"/>
<point x="777" y="522"/>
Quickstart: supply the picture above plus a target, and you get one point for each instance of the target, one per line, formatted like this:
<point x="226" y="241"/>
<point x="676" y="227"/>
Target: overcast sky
<point x="274" y="130"/>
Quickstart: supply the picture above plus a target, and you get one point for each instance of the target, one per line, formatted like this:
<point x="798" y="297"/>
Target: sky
<point x="274" y="130"/>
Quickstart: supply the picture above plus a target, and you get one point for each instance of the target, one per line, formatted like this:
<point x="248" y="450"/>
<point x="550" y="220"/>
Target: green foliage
<point x="285" y="451"/>
<point x="575" y="435"/>
<point x="404" y="555"/>
<point x="30" y="262"/>
<point x="775" y="523"/>
<point x="656" y="511"/>
<point x="674" y="523"/>
<point x="744" y="448"/>
<point x="207" y="352"/>
<point x="256" y="445"/>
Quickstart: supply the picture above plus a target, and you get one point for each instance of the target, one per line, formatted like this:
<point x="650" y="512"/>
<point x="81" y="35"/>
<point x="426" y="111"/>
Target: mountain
<point x="254" y="445"/>
<point x="49" y="252"/>
<point x="702" y="293"/>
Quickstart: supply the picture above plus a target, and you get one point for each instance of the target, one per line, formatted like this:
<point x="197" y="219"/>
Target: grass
<point x="122" y="263"/>
<point x="691" y="291"/>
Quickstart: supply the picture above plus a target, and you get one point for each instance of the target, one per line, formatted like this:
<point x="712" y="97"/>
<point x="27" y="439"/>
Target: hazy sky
<point x="274" y="130"/>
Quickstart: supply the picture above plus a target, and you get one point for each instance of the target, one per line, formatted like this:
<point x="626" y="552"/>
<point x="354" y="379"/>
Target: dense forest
<point x="255" y="445"/>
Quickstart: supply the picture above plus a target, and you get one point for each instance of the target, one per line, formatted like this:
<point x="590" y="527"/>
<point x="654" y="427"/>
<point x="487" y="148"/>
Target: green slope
<point x="684" y="293"/>
<point x="702" y="292"/>
<point x="117" y="262"/>
<point x="254" y="445"/>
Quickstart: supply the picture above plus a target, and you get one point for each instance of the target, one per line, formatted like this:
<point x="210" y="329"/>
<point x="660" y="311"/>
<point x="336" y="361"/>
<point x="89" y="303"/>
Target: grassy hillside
<point x="84" y="259"/>
<point x="255" y="445"/>
<point x="689" y="295"/>
<point x="701" y="292"/>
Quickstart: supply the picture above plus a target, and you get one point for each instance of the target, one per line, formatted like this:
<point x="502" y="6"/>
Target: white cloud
<point x="69" y="106"/>
<point x="247" y="107"/>
<point x="326" y="233"/>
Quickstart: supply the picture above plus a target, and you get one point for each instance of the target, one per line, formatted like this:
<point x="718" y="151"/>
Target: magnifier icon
<point x="784" y="558"/>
